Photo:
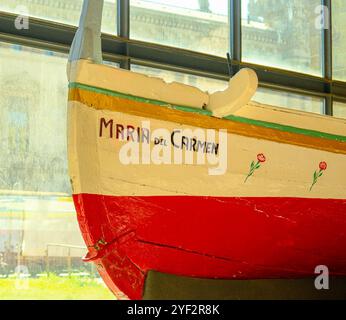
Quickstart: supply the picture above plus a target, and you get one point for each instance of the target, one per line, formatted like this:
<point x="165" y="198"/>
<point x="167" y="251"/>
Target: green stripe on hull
<point x="75" y="85"/>
<point x="259" y="123"/>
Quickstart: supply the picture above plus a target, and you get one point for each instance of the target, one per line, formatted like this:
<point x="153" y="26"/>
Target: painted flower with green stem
<point x="255" y="166"/>
<point x="318" y="173"/>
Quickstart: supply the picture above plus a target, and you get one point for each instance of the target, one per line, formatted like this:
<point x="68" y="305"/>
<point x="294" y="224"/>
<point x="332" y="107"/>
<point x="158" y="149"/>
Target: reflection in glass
<point x="282" y="34"/>
<point x="64" y="11"/>
<point x="38" y="226"/>
<point x="339" y="109"/>
<point x="339" y="39"/>
<point x="289" y="100"/>
<point x="198" y="25"/>
<point x="33" y="113"/>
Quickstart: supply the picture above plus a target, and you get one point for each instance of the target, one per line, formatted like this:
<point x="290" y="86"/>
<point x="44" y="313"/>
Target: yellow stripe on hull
<point x="95" y="167"/>
<point x="101" y="101"/>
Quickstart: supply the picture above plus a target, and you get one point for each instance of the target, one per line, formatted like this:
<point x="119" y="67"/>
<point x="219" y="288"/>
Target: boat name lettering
<point x="184" y="139"/>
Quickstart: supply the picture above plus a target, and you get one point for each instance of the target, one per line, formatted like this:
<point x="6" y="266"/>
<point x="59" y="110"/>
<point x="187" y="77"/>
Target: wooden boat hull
<point x="209" y="237"/>
<point x="277" y="210"/>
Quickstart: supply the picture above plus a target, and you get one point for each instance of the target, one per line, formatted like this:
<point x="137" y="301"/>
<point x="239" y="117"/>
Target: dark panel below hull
<point x="161" y="286"/>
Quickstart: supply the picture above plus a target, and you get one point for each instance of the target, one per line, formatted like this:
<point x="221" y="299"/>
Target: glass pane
<point x="38" y="226"/>
<point x="65" y="11"/>
<point x="203" y="83"/>
<point x="198" y="25"/>
<point x="282" y="34"/>
<point x="339" y="109"/>
<point x="289" y="100"/>
<point x="339" y="39"/>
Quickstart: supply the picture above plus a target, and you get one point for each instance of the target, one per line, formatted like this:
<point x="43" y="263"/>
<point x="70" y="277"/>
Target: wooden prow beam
<point x="241" y="89"/>
<point x="86" y="45"/>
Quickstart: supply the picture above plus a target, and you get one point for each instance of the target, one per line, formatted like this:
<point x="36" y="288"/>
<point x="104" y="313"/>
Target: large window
<point x="65" y="11"/>
<point x="198" y="25"/>
<point x="339" y="39"/>
<point x="282" y="34"/>
<point x="39" y="234"/>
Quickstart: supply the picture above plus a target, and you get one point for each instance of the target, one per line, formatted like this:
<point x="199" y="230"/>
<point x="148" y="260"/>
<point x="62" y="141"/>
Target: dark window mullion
<point x="235" y="32"/>
<point x="328" y="105"/>
<point x="123" y="26"/>
<point x="327" y="42"/>
<point x="328" y="55"/>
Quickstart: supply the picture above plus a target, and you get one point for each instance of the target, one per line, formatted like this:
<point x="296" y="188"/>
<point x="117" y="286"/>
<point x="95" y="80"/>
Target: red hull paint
<point x="211" y="237"/>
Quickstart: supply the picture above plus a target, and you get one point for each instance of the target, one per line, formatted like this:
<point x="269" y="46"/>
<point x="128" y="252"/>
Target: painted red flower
<point x="318" y="174"/>
<point x="261" y="157"/>
<point x="323" y="165"/>
<point x="255" y="166"/>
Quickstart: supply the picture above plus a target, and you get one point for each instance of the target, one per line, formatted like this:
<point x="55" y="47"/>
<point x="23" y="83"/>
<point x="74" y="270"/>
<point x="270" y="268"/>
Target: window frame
<point x="122" y="49"/>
